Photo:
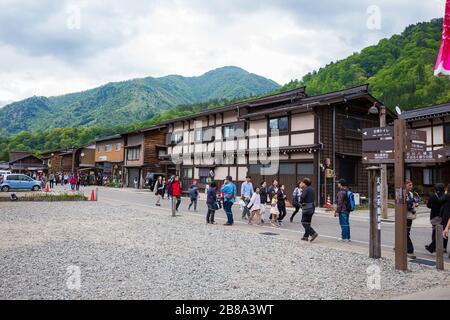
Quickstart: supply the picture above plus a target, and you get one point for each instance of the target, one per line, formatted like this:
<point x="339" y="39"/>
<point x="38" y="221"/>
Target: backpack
<point x="351" y="201"/>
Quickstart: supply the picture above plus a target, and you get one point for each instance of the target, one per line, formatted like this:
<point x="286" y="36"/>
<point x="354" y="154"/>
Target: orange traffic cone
<point x="92" y="195"/>
<point x="47" y="187"/>
<point x="328" y="206"/>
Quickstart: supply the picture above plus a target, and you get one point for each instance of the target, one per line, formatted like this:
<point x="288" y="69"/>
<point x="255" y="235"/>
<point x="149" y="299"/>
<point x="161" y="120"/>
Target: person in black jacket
<point x="281" y="204"/>
<point x="445" y="213"/>
<point x="211" y="199"/>
<point x="435" y="204"/>
<point x="263" y="193"/>
<point x="308" y="208"/>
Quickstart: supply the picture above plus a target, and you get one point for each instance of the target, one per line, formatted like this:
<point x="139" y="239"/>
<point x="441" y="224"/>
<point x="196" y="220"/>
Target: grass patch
<point x="50" y="197"/>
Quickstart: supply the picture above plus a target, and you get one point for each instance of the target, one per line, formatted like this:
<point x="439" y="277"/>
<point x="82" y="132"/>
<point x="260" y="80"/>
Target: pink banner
<point x="443" y="61"/>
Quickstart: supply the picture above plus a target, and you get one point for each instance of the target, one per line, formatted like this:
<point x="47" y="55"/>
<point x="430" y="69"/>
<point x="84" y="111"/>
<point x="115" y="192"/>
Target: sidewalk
<point x="441" y="293"/>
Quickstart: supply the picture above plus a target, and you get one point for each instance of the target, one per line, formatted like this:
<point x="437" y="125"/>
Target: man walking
<point x="246" y="194"/>
<point x="193" y="195"/>
<point x="343" y="210"/>
<point x="412" y="203"/>
<point x="229" y="191"/>
<point x="307" y="197"/>
<point x="176" y="192"/>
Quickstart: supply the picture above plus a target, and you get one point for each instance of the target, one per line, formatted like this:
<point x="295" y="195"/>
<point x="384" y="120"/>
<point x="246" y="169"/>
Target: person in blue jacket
<point x="229" y="191"/>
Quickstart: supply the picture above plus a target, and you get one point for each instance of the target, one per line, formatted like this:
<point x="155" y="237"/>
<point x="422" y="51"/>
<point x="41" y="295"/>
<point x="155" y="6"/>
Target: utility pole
<point x="401" y="262"/>
<point x="384" y="184"/>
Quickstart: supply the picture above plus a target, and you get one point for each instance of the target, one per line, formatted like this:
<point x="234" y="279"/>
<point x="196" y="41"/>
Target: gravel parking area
<point x="125" y="253"/>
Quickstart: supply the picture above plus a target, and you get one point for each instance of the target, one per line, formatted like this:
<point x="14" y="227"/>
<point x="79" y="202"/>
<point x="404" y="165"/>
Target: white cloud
<point x="118" y="40"/>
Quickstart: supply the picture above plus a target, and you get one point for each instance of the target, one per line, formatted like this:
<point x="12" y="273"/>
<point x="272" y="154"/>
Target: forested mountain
<point x="399" y="69"/>
<point x="124" y="103"/>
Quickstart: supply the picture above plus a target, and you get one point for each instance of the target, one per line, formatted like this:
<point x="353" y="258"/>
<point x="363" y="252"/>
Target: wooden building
<point x="144" y="150"/>
<point x="26" y="162"/>
<point x="435" y="121"/>
<point x="73" y="160"/>
<point x="286" y="136"/>
<point x="109" y="158"/>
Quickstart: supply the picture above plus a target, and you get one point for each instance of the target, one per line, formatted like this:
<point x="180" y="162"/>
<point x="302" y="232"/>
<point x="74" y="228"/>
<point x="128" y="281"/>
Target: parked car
<point x="19" y="182"/>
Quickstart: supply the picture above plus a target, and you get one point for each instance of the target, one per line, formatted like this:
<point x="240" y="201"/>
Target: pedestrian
<point x="435" y="203"/>
<point x="263" y="193"/>
<point x="412" y="203"/>
<point x="273" y="191"/>
<point x="176" y="192"/>
<point x="446" y="213"/>
<point x="78" y="182"/>
<point x="274" y="212"/>
<point x="159" y="190"/>
<point x="307" y="198"/>
<point x="211" y="202"/>
<point x="164" y="187"/>
<point x="246" y="194"/>
<point x="72" y="181"/>
<point x="193" y="195"/>
<point x="229" y="191"/>
<point x="254" y="207"/>
<point x="135" y="182"/>
<point x="342" y="210"/>
<point x="51" y="180"/>
<point x="169" y="187"/>
<point x="66" y="179"/>
<point x="296" y="195"/>
<point x="281" y="203"/>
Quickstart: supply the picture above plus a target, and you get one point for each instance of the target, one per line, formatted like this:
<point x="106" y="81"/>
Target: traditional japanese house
<point x="26" y="162"/>
<point x="144" y="150"/>
<point x="286" y="136"/>
<point x="73" y="160"/>
<point x="435" y="121"/>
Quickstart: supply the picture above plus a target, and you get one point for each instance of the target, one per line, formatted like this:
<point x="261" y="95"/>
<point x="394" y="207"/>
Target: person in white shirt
<point x="255" y="207"/>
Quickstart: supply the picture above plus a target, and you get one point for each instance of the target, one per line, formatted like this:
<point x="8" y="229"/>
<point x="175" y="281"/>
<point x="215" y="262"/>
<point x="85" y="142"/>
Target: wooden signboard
<point x="377" y="145"/>
<point x="378" y="157"/>
<point x="377" y="133"/>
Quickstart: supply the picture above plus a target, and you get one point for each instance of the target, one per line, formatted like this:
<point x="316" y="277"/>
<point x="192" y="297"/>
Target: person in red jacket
<point x="176" y="191"/>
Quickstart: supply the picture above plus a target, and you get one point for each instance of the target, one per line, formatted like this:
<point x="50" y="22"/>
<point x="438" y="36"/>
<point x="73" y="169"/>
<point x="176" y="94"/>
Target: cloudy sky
<point x="51" y="47"/>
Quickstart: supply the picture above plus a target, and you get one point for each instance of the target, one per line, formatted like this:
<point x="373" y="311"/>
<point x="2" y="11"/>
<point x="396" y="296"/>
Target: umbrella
<point x="443" y="60"/>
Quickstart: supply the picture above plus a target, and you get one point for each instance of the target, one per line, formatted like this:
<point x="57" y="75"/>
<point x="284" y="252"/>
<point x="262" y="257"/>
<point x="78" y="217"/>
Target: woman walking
<point x="159" y="190"/>
<point x="176" y="191"/>
<point x="274" y="212"/>
<point x="296" y="195"/>
<point x="193" y="195"/>
<point x="435" y="204"/>
<point x="255" y="207"/>
<point x="281" y="198"/>
<point x="263" y="194"/>
<point x="211" y="202"/>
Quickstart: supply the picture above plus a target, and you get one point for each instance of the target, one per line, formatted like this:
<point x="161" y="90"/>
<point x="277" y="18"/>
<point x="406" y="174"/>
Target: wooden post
<point x="439" y="247"/>
<point x="173" y="207"/>
<point x="384" y="184"/>
<point x="401" y="262"/>
<point x="375" y="212"/>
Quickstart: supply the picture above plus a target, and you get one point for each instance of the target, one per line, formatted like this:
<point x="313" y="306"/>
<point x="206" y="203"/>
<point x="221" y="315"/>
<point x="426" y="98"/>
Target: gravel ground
<point x="124" y="253"/>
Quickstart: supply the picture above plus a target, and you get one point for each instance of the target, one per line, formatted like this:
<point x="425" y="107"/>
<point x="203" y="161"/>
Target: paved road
<point x="325" y="224"/>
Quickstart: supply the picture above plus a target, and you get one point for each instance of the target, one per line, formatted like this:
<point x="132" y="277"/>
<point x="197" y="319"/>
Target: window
<point x="447" y="134"/>
<point x="353" y="124"/>
<point x="25" y="178"/>
<point x="228" y="132"/>
<point x="118" y="146"/>
<point x="430" y="176"/>
<point x="177" y="137"/>
<point x="408" y="174"/>
<point x="203" y="174"/>
<point x="108" y="148"/>
<point x="99" y="149"/>
<point x="347" y="170"/>
<point x="305" y="169"/>
<point x="280" y="124"/>
<point x="134" y="154"/>
<point x="287" y="168"/>
<point x="187" y="173"/>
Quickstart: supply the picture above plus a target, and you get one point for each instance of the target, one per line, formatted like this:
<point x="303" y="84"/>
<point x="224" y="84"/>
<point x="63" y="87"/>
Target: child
<point x="255" y="207"/>
<point x="274" y="211"/>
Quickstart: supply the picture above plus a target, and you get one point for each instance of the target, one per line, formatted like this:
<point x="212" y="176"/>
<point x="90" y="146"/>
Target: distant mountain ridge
<point x="126" y="102"/>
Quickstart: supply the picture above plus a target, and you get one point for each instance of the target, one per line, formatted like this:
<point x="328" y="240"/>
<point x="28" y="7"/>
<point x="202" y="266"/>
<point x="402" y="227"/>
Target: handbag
<point x="217" y="205"/>
<point x="308" y="208"/>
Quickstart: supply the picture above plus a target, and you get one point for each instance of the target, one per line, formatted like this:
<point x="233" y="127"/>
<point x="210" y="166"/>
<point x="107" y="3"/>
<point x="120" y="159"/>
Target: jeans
<point x="178" y="203"/>
<point x="52" y="184"/>
<point x="306" y="222"/>
<point x="72" y="186"/>
<point x="344" y="221"/>
<point x="193" y="202"/>
<point x="210" y="214"/>
<point x="227" y="207"/>
<point x="245" y="210"/>
<point x="282" y="210"/>
<point x="410" y="245"/>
